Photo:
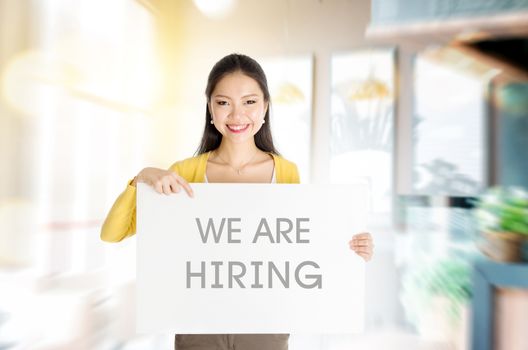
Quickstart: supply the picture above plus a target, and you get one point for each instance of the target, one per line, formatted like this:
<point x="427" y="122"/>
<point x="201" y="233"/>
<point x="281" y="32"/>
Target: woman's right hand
<point x="163" y="181"/>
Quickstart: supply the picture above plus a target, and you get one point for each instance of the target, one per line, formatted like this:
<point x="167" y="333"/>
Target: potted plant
<point x="435" y="295"/>
<point x="502" y="215"/>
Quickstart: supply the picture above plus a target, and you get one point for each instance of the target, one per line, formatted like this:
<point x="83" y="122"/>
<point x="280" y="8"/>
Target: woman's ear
<point x="210" y="113"/>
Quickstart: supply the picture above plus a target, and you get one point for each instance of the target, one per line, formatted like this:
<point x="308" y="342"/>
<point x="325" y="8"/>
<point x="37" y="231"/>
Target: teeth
<point x="236" y="127"/>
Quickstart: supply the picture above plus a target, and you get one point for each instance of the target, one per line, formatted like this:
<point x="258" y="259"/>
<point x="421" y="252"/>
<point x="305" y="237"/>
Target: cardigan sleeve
<point x="120" y="222"/>
<point x="296" y="179"/>
<point x="121" y="219"/>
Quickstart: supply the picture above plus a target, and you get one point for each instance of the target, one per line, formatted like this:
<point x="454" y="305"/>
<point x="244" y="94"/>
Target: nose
<point x="237" y="112"/>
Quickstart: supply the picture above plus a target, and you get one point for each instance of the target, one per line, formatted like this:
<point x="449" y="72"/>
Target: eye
<point x="221" y="103"/>
<point x="250" y="102"/>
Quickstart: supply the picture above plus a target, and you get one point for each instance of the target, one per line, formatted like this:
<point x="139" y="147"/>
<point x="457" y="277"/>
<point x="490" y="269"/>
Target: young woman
<point x="236" y="147"/>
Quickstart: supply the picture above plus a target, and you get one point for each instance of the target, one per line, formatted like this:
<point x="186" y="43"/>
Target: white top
<point x="273" y="179"/>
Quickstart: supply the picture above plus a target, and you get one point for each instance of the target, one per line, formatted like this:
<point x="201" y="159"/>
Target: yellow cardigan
<point x="121" y="220"/>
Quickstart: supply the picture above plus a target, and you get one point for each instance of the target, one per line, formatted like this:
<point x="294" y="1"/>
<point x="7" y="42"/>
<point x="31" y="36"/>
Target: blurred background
<point x="424" y="101"/>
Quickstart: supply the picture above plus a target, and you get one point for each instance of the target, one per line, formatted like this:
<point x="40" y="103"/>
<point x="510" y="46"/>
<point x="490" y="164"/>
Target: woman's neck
<point x="236" y="154"/>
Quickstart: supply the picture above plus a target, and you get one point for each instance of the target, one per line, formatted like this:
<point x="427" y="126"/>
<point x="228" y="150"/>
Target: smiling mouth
<point x="238" y="128"/>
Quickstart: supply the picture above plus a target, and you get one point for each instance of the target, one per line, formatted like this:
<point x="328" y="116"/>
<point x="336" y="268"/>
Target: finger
<point x="362" y="243"/>
<point x="173" y="183"/>
<point x="158" y="186"/>
<point x="167" y="187"/>
<point x="173" y="179"/>
<point x="175" y="187"/>
<point x="186" y="186"/>
<point x="175" y="176"/>
<point x="362" y="249"/>
<point x="362" y="235"/>
<point x="362" y="239"/>
<point x="183" y="183"/>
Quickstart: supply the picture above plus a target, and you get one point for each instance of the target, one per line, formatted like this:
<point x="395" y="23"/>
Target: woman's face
<point x="237" y="107"/>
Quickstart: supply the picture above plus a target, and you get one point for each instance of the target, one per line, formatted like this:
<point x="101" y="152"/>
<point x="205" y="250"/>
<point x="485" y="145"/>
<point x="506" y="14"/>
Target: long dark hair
<point x="211" y="138"/>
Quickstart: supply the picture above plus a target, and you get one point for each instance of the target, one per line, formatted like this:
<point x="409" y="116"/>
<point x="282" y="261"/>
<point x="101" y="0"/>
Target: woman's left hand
<point x="362" y="245"/>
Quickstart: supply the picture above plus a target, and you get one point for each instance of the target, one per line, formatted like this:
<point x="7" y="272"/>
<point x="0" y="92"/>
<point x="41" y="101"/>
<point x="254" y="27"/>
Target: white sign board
<point x="250" y="258"/>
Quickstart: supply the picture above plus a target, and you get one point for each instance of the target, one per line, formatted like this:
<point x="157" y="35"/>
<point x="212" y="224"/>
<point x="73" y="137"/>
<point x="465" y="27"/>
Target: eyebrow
<point x="224" y="96"/>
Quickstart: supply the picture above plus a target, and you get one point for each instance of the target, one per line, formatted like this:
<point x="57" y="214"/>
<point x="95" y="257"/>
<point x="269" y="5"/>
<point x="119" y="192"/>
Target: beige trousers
<point x="231" y="342"/>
